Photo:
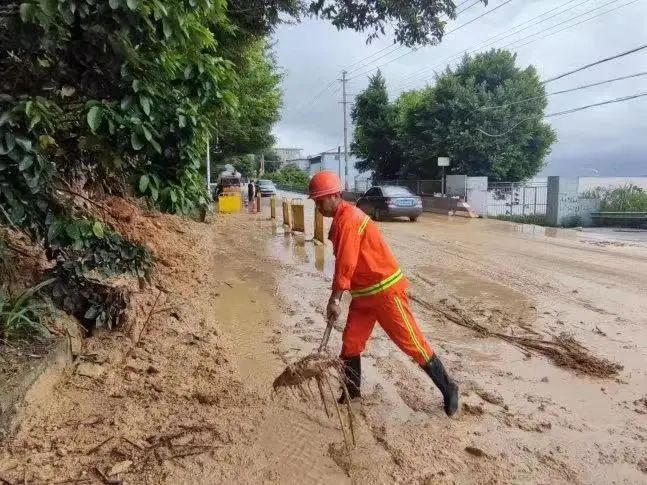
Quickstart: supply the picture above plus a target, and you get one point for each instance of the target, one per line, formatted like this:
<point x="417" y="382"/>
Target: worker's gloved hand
<point x="333" y="310"/>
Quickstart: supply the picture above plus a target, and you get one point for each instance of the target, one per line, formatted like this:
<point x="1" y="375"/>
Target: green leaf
<point x="126" y="102"/>
<point x="166" y="26"/>
<point x="173" y="196"/>
<point x="147" y="133"/>
<point x="154" y="193"/>
<point x="156" y="145"/>
<point x="114" y="4"/>
<point x="132" y="4"/>
<point x="26" y="162"/>
<point x="143" y="183"/>
<point x="187" y="72"/>
<point x="73" y="232"/>
<point x="53" y="231"/>
<point x="136" y="85"/>
<point x="49" y="6"/>
<point x="94" y="118"/>
<point x="145" y="103"/>
<point x="34" y="121"/>
<point x="136" y="141"/>
<point x="26" y="12"/>
<point x="24" y="143"/>
<point x="181" y="121"/>
<point x="97" y="229"/>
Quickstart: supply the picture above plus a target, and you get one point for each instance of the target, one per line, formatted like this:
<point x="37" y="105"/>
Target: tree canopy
<point x="375" y="139"/>
<point x="486" y="114"/>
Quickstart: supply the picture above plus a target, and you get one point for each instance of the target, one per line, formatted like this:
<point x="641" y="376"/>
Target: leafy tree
<point x="249" y="128"/>
<point x="486" y="114"/>
<point x="291" y="175"/>
<point x="246" y="165"/>
<point x="375" y="139"/>
<point x="413" y="22"/>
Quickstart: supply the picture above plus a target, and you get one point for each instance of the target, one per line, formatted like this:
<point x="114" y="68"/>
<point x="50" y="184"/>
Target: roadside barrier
<point x="230" y="203"/>
<point x="286" y="212"/>
<point x="319" y="226"/>
<point x="298" y="216"/>
<point x="273" y="207"/>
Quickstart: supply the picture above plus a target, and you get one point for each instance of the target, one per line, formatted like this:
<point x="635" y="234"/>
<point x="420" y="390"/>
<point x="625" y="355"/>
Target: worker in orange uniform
<point x="365" y="266"/>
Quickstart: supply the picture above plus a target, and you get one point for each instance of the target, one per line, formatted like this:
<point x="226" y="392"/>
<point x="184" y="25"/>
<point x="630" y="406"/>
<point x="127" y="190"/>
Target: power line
<point x="491" y="40"/>
<point x="568" y="20"/>
<point x="570" y="90"/>
<point x="565" y="112"/>
<point x="468" y="7"/>
<point x="556" y="25"/>
<point x="610" y="101"/>
<point x="580" y="22"/>
<point x="307" y="104"/>
<point x="596" y="63"/>
<point x="401" y="46"/>
<point x="411" y="51"/>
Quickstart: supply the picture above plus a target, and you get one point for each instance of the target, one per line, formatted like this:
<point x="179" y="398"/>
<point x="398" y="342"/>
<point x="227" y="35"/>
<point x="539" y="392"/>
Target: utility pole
<point x="339" y="160"/>
<point x="344" y="80"/>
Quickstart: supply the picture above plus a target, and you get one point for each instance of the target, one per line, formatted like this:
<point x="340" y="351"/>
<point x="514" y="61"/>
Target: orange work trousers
<point x="391" y="309"/>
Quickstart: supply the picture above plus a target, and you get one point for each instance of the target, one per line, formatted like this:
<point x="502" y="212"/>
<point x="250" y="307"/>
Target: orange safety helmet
<point x="324" y="183"/>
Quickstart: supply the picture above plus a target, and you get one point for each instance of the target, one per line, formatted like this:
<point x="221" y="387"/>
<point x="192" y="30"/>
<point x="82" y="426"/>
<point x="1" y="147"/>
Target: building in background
<point x="334" y="160"/>
<point x="286" y="154"/>
<point x="302" y="163"/>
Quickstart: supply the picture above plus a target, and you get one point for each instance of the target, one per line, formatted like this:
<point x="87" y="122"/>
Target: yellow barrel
<point x="319" y="226"/>
<point x="298" y="216"/>
<point x="229" y="203"/>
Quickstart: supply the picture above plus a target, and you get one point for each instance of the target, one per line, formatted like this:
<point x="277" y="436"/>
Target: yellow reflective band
<point x="381" y="286"/>
<point x="420" y="348"/>
<point x="362" y="228"/>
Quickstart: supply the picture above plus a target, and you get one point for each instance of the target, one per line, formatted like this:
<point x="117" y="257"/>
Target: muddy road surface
<point x="544" y="331"/>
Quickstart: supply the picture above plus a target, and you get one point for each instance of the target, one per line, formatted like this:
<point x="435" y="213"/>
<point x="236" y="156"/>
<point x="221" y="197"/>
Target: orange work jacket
<point x="364" y="264"/>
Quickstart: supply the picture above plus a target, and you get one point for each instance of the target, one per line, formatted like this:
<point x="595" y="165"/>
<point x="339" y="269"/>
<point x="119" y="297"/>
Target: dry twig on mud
<point x="320" y="368"/>
<point x="563" y="349"/>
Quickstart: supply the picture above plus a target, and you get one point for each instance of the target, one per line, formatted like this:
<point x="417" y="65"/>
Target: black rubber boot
<point x="449" y="389"/>
<point x="352" y="378"/>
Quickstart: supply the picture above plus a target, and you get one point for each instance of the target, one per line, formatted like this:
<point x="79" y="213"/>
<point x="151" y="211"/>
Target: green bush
<point x="629" y="198"/>
<point x="290" y="175"/>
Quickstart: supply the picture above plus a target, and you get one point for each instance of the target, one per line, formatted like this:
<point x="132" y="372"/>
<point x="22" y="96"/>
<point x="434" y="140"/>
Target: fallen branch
<point x="563" y="349"/>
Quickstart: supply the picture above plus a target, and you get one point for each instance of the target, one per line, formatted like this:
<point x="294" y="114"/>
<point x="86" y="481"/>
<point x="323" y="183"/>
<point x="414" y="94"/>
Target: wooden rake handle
<point x="326" y="336"/>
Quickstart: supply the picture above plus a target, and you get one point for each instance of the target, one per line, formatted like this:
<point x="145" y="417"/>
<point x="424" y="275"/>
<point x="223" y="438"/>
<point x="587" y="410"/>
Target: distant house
<point x="286" y="154"/>
<point x="302" y="163"/>
<point x="335" y="161"/>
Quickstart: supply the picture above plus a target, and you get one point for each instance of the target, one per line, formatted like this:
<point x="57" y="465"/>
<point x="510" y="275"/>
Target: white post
<point x="208" y="170"/>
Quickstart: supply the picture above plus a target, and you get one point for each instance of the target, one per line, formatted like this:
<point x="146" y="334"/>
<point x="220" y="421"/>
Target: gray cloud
<point x="610" y="139"/>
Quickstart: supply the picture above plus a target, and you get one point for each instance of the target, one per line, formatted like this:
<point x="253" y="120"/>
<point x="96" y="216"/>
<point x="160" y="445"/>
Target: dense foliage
<point x="486" y="115"/>
<point x="375" y="139"/>
<point x="290" y="175"/>
<point x="629" y="198"/>
<point x="124" y="96"/>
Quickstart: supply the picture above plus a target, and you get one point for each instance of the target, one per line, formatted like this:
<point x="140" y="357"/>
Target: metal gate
<point x="509" y="199"/>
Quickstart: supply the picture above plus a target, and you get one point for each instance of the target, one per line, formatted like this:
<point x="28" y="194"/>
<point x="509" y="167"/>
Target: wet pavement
<point x="550" y="424"/>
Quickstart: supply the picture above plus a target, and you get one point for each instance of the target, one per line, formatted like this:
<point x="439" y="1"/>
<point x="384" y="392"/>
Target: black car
<point x="390" y="201"/>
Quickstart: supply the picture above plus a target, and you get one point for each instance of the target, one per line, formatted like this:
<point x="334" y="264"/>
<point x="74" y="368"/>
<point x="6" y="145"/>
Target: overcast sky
<point x="610" y="139"/>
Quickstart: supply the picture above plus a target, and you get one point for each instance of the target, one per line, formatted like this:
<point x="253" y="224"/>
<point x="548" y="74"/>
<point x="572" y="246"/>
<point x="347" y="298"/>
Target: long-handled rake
<point x="320" y="367"/>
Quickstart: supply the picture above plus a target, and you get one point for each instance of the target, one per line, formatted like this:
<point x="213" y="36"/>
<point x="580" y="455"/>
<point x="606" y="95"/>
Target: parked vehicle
<point x="265" y="187"/>
<point x="390" y="201"/>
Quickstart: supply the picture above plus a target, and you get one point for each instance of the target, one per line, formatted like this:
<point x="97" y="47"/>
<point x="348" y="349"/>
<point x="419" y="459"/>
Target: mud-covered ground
<point x="241" y="298"/>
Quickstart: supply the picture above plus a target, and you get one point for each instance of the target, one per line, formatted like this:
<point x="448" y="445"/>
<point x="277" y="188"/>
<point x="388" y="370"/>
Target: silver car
<point x="390" y="201"/>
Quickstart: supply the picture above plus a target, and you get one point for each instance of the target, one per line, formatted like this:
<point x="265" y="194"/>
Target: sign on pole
<point x="443" y="161"/>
